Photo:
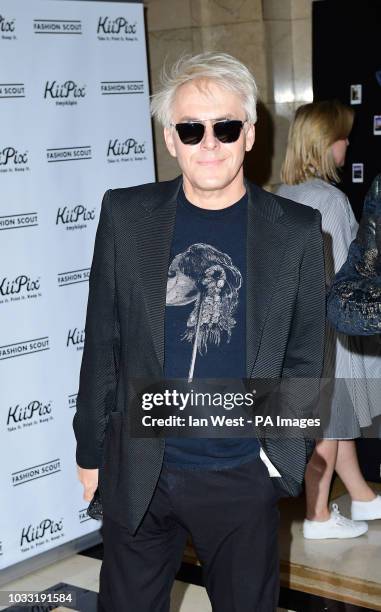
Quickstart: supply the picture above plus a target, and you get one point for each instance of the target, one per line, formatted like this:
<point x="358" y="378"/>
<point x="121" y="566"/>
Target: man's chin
<point x="211" y="183"/>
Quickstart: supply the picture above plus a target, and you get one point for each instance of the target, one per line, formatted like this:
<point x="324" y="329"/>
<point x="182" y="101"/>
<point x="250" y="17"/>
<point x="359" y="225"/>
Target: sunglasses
<point x="192" y="132"/>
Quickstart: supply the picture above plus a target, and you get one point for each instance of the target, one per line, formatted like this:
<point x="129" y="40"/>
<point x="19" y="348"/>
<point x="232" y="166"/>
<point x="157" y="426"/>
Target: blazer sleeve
<point x="305" y="348"/>
<point x="303" y="364"/>
<point x="98" y="372"/>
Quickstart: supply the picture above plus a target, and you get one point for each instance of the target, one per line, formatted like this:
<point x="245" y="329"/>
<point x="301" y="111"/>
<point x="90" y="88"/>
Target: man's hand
<point x="89" y="479"/>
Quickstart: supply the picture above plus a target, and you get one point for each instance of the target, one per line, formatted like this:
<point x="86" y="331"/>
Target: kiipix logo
<point x="13" y="160"/>
<point x="64" y="94"/>
<point x="31" y="414"/>
<point x="33" y="537"/>
<point x="128" y="150"/>
<point x="21" y="287"/>
<point x="75" y="217"/>
<point x="75" y="337"/>
<point x="117" y="28"/>
<point x="7" y="28"/>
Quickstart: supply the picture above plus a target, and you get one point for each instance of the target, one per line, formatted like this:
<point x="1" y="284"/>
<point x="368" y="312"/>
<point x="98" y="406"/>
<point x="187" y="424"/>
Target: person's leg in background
<point x="318" y="479"/>
<point x="366" y="505"/>
<point x="330" y="455"/>
<point x="348" y="469"/>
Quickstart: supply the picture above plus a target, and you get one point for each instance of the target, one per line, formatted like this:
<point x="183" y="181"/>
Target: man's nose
<point x="209" y="140"/>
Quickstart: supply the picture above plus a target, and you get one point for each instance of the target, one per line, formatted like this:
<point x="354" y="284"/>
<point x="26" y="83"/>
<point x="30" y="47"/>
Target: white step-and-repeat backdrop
<point x="74" y="121"/>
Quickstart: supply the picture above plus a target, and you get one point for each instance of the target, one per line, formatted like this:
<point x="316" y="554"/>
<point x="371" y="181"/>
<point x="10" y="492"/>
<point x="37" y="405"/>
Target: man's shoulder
<point x="288" y="211"/>
<point x="297" y="211"/>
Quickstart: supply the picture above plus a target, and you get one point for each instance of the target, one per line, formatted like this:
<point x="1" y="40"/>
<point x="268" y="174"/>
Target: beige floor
<point x="83" y="571"/>
<point x="346" y="570"/>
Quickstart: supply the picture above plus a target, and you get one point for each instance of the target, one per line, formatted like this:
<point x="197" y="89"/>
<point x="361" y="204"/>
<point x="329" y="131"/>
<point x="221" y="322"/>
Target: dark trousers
<point x="232" y="516"/>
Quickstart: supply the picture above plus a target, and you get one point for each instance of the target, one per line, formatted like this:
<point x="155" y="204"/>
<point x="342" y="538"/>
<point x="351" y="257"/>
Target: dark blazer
<point x="124" y="332"/>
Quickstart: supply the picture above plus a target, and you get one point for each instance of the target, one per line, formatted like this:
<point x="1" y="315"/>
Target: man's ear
<point x="169" y="141"/>
<point x="250" y="137"/>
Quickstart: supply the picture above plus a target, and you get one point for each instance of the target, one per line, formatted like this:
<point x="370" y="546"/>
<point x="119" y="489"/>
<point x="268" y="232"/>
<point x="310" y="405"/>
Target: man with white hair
<point x="204" y="276"/>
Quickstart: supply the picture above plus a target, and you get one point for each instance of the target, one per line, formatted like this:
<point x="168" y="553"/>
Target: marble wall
<point x="272" y="37"/>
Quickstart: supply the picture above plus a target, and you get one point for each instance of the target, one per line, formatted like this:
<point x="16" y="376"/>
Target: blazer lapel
<point x="266" y="244"/>
<point x="153" y="231"/>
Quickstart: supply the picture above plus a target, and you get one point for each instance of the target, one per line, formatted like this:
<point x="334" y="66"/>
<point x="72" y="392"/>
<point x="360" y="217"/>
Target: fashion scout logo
<point x="20" y="220"/>
<point x="117" y="29"/>
<point x="12" y="90"/>
<point x="25" y="347"/>
<point x="83" y="517"/>
<point x="57" y="26"/>
<point x="35" y="471"/>
<point x="76" y="337"/>
<point x="7" y="28"/>
<point x="112" y="88"/>
<point x="22" y="287"/>
<point x="64" y="94"/>
<point x="72" y="400"/>
<point x="64" y="154"/>
<point x="41" y="534"/>
<point x="73" y="277"/>
<point x="13" y="160"/>
<point x="74" y="218"/>
<point x="128" y="150"/>
<point x="35" y="412"/>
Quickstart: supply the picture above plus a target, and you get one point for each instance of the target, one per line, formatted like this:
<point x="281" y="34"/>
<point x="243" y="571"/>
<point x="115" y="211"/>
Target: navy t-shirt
<point x="206" y="302"/>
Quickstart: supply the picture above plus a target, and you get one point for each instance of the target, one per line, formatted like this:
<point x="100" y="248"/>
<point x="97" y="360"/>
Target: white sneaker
<point x="367" y="510"/>
<point x="336" y="527"/>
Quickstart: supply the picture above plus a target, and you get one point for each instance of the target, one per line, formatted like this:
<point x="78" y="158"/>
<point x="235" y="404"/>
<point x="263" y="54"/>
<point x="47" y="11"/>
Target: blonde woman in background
<point x="316" y="149"/>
